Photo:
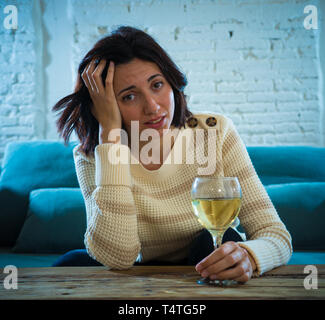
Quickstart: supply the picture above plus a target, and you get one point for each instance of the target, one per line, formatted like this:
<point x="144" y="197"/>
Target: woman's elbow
<point x="120" y="259"/>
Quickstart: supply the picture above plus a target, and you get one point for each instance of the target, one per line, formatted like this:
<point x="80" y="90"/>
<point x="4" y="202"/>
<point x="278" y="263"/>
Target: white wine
<point x="216" y="215"/>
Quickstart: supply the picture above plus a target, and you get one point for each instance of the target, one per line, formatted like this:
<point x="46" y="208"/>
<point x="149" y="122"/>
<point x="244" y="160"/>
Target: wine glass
<point x="216" y="202"/>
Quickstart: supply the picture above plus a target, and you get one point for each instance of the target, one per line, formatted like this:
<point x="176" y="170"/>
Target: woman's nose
<point x="151" y="105"/>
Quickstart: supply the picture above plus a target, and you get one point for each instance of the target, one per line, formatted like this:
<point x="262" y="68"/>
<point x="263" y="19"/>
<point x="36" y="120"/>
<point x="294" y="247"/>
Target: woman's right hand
<point x="105" y="108"/>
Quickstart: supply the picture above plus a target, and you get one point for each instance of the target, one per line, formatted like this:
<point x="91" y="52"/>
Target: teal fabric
<point x="55" y="223"/>
<point x="307" y="258"/>
<point x="301" y="206"/>
<point x="28" y="166"/>
<point x="288" y="164"/>
<point x="48" y="220"/>
<point x="21" y="260"/>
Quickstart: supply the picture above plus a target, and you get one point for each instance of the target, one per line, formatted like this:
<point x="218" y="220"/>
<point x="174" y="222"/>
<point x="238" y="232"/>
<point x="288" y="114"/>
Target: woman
<point x="140" y="210"/>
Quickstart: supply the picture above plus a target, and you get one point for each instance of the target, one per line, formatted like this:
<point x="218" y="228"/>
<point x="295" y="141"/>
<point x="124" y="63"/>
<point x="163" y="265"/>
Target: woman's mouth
<point x="157" y="122"/>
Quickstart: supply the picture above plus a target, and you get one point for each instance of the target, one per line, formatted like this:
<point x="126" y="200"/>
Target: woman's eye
<point x="128" y="97"/>
<point x="157" y="85"/>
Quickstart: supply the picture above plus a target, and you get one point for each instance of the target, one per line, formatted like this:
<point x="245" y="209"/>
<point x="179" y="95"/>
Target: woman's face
<point x="144" y="95"/>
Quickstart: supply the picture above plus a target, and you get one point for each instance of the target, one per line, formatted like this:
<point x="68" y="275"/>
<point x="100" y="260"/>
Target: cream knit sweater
<point x="137" y="214"/>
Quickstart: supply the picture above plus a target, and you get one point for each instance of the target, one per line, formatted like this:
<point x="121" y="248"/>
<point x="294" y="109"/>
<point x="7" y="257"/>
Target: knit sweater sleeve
<point x="111" y="235"/>
<point x="269" y="242"/>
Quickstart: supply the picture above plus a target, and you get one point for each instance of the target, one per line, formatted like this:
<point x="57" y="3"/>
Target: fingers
<point x="104" y="105"/>
<point x="230" y="261"/>
<point x="97" y="75"/>
<point x="92" y="77"/>
<point x="109" y="78"/>
<point x="86" y="76"/>
<point x="240" y="272"/>
<point x="216" y="256"/>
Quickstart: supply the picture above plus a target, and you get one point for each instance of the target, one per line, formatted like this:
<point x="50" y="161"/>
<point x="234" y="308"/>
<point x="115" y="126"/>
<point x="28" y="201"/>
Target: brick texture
<point x="251" y="60"/>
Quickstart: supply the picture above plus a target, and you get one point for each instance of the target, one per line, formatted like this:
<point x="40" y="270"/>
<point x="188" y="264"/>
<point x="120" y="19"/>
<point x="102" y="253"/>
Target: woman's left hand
<point x="229" y="262"/>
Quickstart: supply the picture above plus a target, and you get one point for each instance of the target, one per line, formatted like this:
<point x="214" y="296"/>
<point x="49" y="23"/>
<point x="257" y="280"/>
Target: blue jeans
<point x="201" y="247"/>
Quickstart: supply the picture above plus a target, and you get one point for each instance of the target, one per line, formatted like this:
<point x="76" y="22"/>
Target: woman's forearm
<point x="111" y="235"/>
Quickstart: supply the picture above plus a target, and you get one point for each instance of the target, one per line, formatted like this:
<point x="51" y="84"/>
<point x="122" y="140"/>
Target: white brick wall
<point x="22" y="111"/>
<point x="251" y="60"/>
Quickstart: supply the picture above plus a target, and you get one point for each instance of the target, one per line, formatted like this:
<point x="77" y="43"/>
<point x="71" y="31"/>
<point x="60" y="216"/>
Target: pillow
<point x="29" y="166"/>
<point x="288" y="164"/>
<point x="55" y="222"/>
<point x="301" y="207"/>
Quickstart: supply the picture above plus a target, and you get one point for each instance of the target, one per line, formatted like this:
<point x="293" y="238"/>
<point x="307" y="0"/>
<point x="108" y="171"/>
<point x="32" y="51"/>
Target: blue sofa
<point x="43" y="216"/>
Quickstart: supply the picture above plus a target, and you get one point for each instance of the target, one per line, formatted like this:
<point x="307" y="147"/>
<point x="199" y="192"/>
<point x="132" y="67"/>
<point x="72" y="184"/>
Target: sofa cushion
<point x="28" y="166"/>
<point x="307" y="258"/>
<point x="301" y="206"/>
<point x="288" y="164"/>
<point x="55" y="223"/>
<point x="26" y="260"/>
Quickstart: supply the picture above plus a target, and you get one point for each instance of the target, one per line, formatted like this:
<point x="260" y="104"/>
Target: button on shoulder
<point x="192" y="122"/>
<point x="211" y="121"/>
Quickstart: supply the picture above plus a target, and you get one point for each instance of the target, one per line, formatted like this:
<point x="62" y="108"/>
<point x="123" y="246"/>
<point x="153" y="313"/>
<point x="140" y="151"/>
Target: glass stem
<point x="217" y="239"/>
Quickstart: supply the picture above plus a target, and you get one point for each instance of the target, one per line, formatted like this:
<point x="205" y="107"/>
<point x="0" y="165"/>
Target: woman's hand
<point x="229" y="262"/>
<point x="105" y="108"/>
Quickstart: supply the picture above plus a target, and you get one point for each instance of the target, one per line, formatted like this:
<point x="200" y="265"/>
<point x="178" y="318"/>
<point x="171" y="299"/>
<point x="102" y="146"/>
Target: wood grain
<point x="155" y="282"/>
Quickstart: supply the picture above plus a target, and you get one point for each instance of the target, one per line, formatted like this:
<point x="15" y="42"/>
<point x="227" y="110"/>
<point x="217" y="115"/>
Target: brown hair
<point x="123" y="45"/>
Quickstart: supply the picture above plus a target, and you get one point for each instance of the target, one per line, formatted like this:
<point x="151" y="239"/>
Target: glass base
<point x="217" y="283"/>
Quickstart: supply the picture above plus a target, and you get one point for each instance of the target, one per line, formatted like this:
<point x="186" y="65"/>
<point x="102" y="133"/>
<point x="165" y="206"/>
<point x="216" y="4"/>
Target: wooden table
<point x="155" y="283"/>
